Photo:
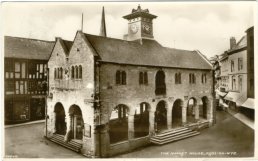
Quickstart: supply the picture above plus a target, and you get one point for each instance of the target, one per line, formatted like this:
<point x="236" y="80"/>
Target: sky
<point x="205" y="26"/>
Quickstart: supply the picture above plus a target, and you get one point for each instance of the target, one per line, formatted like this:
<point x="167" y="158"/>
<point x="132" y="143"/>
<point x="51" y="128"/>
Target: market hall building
<point x="109" y="96"/>
<point x="25" y="79"/>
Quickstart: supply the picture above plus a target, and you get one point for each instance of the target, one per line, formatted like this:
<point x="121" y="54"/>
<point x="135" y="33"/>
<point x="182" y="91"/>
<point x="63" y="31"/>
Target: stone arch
<point x="60" y="124"/>
<point x="204" y="107"/>
<point x="160" y="83"/>
<point x="177" y="114"/>
<point x="161" y="116"/>
<point x="191" y="109"/>
<point x="118" y="124"/>
<point x="76" y="123"/>
<point x="141" y="120"/>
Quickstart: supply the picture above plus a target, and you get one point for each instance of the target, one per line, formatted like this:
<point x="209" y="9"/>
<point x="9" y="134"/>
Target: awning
<point x="232" y="96"/>
<point x="222" y="94"/>
<point x="241" y="99"/>
<point x="249" y="103"/>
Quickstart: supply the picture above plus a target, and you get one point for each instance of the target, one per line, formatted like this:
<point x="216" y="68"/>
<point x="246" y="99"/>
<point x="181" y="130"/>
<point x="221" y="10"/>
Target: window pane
<point x="23" y="70"/>
<point x="41" y="68"/>
<point x="17" y="67"/>
<point x="11" y="74"/>
<point x="6" y="74"/>
<point x="17" y="87"/>
<point x="21" y="87"/>
<point x="25" y="87"/>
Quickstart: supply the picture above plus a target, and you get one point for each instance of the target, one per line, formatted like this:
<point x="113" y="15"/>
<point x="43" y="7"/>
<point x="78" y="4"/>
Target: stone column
<point x="196" y="116"/>
<point x="169" y="117"/>
<point x="152" y="122"/>
<point x="184" y="115"/>
<point x="69" y="128"/>
<point x="74" y="126"/>
<point x="210" y="110"/>
<point x="54" y="122"/>
<point x="130" y="126"/>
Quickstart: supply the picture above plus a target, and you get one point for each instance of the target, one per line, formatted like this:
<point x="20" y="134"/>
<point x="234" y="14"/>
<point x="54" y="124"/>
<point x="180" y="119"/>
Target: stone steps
<point x="173" y="135"/>
<point x="72" y="145"/>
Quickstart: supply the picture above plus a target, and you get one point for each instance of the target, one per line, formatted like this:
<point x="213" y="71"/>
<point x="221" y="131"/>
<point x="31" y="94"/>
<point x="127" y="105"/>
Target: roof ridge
<point x="29" y="39"/>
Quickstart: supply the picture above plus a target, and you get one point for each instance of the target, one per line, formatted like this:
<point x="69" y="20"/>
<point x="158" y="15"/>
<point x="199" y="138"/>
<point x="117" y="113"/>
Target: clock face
<point x="147" y="28"/>
<point x="134" y="28"/>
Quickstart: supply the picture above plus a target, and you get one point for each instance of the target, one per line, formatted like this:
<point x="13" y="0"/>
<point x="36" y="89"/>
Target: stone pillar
<point x="196" y="116"/>
<point x="184" y="115"/>
<point x="130" y="126"/>
<point x="74" y="126"/>
<point x="152" y="122"/>
<point x="54" y="122"/>
<point x="169" y="117"/>
<point x="69" y="128"/>
<point x="210" y="111"/>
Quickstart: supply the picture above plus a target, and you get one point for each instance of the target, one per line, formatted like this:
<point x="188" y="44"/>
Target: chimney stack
<point x="232" y="43"/>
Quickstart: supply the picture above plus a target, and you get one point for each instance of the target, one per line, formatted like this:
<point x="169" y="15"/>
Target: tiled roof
<point x="15" y="47"/>
<point x="148" y="53"/>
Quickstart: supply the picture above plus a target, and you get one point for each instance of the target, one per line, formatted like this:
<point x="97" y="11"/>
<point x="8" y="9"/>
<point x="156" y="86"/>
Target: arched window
<point x="76" y="72"/>
<point x="179" y="78"/>
<point x="58" y="71"/>
<point x="118" y="80"/>
<point x="141" y="78"/>
<point x="55" y="73"/>
<point x="194" y="78"/>
<point x="80" y="72"/>
<point x="123" y="77"/>
<point x="160" y="83"/>
<point x="145" y="78"/>
<point x="72" y="70"/>
<point x="61" y="73"/>
<point x="176" y="80"/>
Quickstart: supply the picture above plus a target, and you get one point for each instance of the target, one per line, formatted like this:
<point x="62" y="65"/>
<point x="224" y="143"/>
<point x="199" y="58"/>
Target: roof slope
<point x="23" y="48"/>
<point x="150" y="53"/>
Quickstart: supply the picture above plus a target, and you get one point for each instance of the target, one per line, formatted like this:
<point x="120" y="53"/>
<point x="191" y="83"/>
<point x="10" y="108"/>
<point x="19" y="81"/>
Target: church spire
<point x="103" y="24"/>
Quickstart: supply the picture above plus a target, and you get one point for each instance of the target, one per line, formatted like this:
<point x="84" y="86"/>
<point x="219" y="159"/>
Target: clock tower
<point x="139" y="24"/>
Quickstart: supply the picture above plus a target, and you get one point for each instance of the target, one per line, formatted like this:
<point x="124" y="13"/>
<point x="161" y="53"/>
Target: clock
<point x="146" y="28"/>
<point x="134" y="28"/>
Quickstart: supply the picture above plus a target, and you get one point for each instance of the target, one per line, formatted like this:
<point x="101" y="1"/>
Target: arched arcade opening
<point x="191" y="109"/>
<point x="161" y="116"/>
<point x="204" y="107"/>
<point x="118" y="124"/>
<point x="60" y="124"/>
<point x="141" y="120"/>
<point x="77" y="124"/>
<point x="177" y="113"/>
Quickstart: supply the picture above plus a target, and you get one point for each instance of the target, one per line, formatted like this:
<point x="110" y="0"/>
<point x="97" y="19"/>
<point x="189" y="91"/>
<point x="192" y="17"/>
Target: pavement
<point x="244" y="119"/>
<point x="228" y="138"/>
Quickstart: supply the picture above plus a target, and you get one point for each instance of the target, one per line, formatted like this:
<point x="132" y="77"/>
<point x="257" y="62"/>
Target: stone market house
<point x="109" y="96"/>
<point x="25" y="79"/>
